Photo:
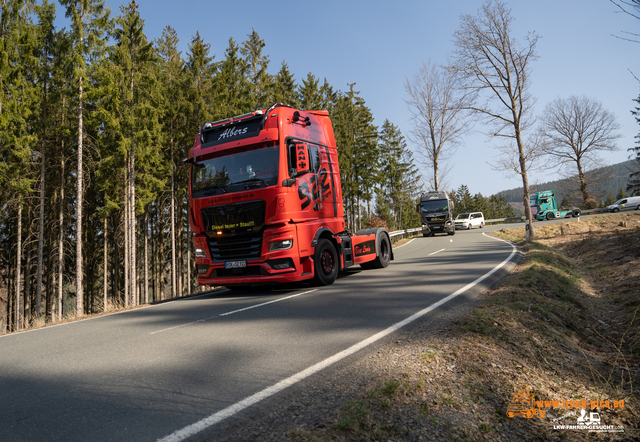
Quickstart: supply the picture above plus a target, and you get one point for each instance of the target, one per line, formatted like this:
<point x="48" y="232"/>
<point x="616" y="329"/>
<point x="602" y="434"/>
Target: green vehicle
<point x="545" y="206"/>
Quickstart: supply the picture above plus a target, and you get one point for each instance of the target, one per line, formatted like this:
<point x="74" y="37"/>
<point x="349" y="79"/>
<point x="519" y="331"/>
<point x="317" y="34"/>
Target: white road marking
<point x="231" y="313"/>
<point x="215" y="418"/>
<point x="266" y="303"/>
<point x="437" y="251"/>
<point x="409" y="242"/>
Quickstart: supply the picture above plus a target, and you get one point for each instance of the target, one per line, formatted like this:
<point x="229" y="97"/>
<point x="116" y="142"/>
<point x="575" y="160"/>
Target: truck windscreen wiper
<point x="254" y="180"/>
<point x="214" y="186"/>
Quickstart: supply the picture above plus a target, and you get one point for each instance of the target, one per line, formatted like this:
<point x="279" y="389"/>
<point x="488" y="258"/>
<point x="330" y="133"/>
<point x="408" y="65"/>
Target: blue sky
<point x="378" y="44"/>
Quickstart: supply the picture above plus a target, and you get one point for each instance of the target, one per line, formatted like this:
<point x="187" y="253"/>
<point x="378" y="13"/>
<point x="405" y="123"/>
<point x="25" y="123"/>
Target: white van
<point x="631" y="203"/>
<point x="469" y="220"/>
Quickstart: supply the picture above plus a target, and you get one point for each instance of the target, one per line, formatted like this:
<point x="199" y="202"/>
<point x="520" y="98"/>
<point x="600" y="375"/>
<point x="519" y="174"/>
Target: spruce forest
<point x="94" y="119"/>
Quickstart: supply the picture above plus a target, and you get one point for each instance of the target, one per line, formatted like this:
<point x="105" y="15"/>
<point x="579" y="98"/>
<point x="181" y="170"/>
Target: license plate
<point x="235" y="264"/>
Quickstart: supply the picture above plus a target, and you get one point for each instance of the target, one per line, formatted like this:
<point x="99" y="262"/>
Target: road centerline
<point x="437" y="251"/>
<point x="266" y="303"/>
<point x="231" y="312"/>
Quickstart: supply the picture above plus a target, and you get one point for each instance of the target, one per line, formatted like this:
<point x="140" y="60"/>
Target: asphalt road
<point x="175" y="369"/>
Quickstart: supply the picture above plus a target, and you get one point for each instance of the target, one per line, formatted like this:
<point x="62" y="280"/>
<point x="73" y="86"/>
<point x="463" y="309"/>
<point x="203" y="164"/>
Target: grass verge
<point x="564" y="327"/>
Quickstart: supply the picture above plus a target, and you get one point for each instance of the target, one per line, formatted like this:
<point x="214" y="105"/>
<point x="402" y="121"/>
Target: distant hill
<point x="606" y="180"/>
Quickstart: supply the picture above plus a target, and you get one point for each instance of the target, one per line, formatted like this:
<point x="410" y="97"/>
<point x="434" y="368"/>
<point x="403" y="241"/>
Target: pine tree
<point x="141" y="137"/>
<point x="18" y="99"/>
<point x="310" y="96"/>
<point x="464" y="200"/>
<point x="284" y="87"/>
<point x="358" y="153"/>
<point x="256" y="70"/>
<point x="46" y="43"/>
<point x="398" y="178"/>
<point x="231" y="85"/>
<point x="89" y="21"/>
<point x="173" y="81"/>
<point x="329" y="96"/>
<point x="200" y="87"/>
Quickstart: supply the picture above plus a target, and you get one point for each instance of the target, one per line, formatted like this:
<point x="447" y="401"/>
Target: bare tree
<point x="575" y="130"/>
<point x="631" y="8"/>
<point x="437" y="116"/>
<point x="495" y="71"/>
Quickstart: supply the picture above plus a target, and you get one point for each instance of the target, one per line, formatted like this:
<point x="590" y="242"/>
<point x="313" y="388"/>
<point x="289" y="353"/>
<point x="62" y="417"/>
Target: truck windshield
<point x="434" y="206"/>
<point x="236" y="171"/>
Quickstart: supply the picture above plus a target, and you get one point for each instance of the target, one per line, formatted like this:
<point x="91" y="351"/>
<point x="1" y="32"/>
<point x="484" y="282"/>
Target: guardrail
<point x="405" y="232"/>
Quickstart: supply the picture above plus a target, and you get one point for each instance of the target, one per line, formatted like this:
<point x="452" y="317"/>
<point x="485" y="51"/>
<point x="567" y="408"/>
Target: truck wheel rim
<point x="327" y="262"/>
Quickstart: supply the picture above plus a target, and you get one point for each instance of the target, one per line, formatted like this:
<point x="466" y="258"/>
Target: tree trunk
<point x="61" y="221"/>
<point x="132" y="190"/>
<point x="26" y="317"/>
<point x="180" y="274"/>
<point x="146" y="256"/>
<point x="173" y="227"/>
<point x="126" y="236"/>
<point x="80" y="191"/>
<point x="105" y="269"/>
<point x="525" y="180"/>
<point x="189" y="241"/>
<point x="17" y="307"/>
<point x="583" y="185"/>
<point x="41" y="221"/>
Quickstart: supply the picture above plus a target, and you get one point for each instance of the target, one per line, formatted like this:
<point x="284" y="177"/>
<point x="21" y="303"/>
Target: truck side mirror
<point x="418" y="208"/>
<point x="185" y="161"/>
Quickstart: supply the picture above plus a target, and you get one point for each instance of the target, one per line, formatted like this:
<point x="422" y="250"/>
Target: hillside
<point x="607" y="180"/>
<point x="562" y="329"/>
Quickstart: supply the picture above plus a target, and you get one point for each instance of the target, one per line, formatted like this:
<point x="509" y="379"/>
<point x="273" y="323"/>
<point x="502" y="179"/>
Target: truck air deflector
<point x="232" y="131"/>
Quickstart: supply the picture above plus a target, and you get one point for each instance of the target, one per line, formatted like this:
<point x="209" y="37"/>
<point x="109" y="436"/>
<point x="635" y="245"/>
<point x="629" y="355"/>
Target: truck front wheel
<point x="325" y="261"/>
<point x="550" y="215"/>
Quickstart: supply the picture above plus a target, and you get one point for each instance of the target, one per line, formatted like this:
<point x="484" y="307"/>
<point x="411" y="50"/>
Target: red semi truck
<point x="266" y="202"/>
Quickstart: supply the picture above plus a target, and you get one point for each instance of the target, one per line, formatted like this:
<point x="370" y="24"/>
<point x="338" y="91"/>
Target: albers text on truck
<point x="266" y="202"/>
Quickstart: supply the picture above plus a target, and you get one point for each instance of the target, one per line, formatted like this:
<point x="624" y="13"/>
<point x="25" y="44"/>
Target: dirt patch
<point x="562" y="329"/>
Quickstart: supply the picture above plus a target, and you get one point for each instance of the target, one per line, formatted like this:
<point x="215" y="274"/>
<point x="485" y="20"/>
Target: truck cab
<point x="545" y="206"/>
<point x="266" y="201"/>
<point x="436" y="213"/>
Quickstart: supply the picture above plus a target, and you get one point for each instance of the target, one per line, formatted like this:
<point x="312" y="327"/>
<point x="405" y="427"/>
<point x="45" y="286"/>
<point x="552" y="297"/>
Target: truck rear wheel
<point x="325" y="261"/>
<point x="384" y="253"/>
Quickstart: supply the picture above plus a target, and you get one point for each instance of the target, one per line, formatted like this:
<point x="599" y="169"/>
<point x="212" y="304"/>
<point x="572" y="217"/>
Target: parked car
<point x="469" y="220"/>
<point x="631" y="203"/>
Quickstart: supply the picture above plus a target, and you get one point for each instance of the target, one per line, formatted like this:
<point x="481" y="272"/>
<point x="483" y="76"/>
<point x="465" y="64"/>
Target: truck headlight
<point x="200" y="253"/>
<point x="281" y="245"/>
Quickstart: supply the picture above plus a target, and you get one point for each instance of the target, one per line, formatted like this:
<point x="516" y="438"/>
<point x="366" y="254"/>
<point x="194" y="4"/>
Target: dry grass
<point x="565" y="324"/>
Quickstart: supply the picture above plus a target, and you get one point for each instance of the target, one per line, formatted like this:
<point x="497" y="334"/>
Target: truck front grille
<point x="235" y="247"/>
